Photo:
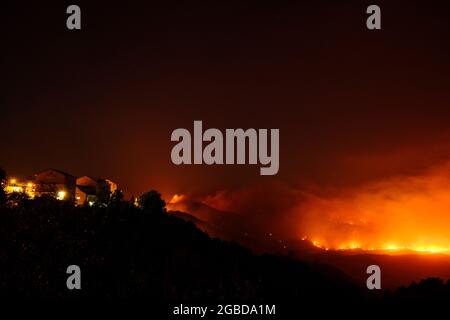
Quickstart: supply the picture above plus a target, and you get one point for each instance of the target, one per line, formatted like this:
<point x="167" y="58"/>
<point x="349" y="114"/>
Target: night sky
<point x="352" y="105"/>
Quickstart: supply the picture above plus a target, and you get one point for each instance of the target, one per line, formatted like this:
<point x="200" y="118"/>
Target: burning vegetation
<point x="395" y="215"/>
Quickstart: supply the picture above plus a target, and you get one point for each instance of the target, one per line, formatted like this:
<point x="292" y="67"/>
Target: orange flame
<point x="176" y="198"/>
<point x="395" y="215"/>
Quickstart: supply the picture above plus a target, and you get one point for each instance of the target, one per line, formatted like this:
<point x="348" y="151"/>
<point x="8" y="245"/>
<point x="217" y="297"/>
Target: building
<point x="86" y="192"/>
<point x="112" y="185"/>
<point x="89" y="190"/>
<point x="64" y="186"/>
<point x="56" y="183"/>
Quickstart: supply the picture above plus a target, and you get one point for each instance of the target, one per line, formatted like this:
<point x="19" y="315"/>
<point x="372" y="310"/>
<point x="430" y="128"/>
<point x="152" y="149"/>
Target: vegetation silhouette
<point x="130" y="253"/>
<point x="151" y="202"/>
<point x="2" y="191"/>
<point x="427" y="290"/>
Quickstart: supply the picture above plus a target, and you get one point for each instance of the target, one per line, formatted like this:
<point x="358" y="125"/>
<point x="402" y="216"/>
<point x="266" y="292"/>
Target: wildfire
<point x="404" y="214"/>
<point x="176" y="198"/>
<point x="176" y="203"/>
<point x="390" y="248"/>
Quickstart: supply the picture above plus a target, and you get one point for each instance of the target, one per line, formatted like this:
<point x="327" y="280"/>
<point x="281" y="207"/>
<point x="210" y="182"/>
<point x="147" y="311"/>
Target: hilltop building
<point x="64" y="186"/>
<point x="55" y="183"/>
<point x="90" y="189"/>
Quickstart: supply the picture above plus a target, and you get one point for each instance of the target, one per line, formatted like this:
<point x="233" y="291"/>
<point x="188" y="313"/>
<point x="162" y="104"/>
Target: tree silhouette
<point x="17" y="199"/>
<point x="103" y="192"/>
<point x="153" y="257"/>
<point x="152" y="202"/>
<point x="116" y="198"/>
<point x="159" y="257"/>
<point x="130" y="256"/>
<point x="2" y="191"/>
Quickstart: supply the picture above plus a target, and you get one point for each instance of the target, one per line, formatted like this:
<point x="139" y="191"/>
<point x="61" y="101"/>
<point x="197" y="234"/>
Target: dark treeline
<point x="129" y="252"/>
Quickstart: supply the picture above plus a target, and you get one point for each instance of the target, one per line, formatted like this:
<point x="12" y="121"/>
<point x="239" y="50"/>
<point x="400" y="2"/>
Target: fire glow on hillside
<point x="386" y="249"/>
<point x="395" y="215"/>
